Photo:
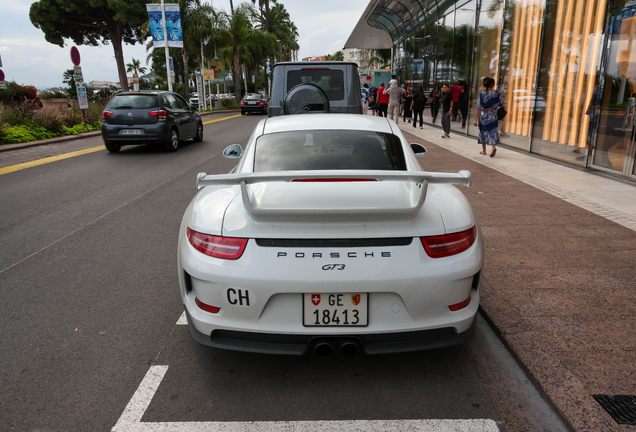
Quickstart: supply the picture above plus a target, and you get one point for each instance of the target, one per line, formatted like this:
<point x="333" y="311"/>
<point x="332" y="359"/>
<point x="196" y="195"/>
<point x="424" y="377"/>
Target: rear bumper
<point x="155" y="132"/>
<point x="381" y="343"/>
<point x="254" y="108"/>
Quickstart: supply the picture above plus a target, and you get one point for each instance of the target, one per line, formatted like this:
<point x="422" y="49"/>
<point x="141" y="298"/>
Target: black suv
<point x="149" y="117"/>
<point x="315" y="87"/>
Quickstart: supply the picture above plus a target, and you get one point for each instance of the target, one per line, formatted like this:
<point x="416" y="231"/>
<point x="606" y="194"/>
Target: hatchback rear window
<point x="330" y="81"/>
<point x="328" y="150"/>
<point x="139" y="101"/>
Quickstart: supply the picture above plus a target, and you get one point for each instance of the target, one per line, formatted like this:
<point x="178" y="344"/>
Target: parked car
<point x="194" y="100"/>
<point x="328" y="235"/>
<point x="254" y="102"/>
<point x="316" y="87"/>
<point x="149" y="117"/>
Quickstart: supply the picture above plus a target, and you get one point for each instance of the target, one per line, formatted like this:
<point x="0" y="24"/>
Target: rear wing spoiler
<point x="420" y="177"/>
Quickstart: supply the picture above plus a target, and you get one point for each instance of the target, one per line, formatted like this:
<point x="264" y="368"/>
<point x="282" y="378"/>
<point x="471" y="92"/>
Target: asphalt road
<point x="89" y="332"/>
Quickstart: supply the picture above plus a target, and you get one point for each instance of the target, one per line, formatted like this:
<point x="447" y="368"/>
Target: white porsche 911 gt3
<point x="329" y="235"/>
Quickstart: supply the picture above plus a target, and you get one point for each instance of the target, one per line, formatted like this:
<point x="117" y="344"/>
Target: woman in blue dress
<point x="487" y="104"/>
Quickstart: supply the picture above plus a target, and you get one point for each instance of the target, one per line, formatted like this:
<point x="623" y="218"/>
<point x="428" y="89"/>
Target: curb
<point x="66" y="138"/>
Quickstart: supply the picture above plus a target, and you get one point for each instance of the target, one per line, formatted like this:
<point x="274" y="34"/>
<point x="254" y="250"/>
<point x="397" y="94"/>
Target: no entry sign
<point x="75" y="56"/>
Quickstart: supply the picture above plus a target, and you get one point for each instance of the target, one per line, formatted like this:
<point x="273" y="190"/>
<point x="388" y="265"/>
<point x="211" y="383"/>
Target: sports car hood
<point x="357" y="210"/>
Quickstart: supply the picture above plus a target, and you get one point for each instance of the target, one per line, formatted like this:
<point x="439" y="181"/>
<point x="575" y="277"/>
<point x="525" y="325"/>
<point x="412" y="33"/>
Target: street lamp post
<point x="165" y="39"/>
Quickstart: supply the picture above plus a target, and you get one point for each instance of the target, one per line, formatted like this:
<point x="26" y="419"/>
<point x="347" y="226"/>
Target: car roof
<point x="326" y="122"/>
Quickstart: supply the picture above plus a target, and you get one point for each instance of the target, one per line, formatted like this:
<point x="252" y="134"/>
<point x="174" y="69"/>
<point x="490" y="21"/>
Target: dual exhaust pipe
<point x="326" y="347"/>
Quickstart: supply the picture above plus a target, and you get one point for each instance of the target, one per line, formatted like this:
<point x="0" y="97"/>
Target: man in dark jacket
<point x="447" y="110"/>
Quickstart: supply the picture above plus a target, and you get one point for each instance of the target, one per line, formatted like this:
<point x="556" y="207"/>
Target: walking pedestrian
<point x="395" y="93"/>
<point x="486" y="118"/>
<point x="456" y="90"/>
<point x="364" y="94"/>
<point x="447" y="110"/>
<point x="433" y="100"/>
<point x="373" y="101"/>
<point x="417" y="105"/>
<point x="383" y="100"/>
<point x="407" y="98"/>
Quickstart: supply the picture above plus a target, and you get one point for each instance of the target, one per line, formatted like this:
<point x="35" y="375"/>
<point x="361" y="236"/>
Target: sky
<point x="27" y="58"/>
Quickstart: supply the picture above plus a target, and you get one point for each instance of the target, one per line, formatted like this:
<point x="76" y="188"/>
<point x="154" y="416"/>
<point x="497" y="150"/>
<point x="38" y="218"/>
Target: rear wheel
<point x="113" y="148"/>
<point x="173" y="143"/>
<point x="242" y="112"/>
<point x="199" y="136"/>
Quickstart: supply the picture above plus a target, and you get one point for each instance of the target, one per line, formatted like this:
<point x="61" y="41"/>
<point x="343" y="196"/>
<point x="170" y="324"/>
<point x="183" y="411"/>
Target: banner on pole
<point x="81" y="95"/>
<point x="173" y="25"/>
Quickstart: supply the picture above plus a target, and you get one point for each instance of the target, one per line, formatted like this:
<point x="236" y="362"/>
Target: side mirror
<point x="419" y="150"/>
<point x="235" y="151"/>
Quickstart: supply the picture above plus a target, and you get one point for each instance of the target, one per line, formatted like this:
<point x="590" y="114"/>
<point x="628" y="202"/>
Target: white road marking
<point x="130" y="420"/>
<point x="182" y="319"/>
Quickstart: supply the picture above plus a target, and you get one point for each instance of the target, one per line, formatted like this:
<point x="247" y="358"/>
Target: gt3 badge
<point x="355" y="299"/>
<point x="315" y="299"/>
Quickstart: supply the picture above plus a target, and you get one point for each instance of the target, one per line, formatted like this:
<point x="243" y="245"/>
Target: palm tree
<point x="264" y="4"/>
<point x="135" y="67"/>
<point x="280" y="24"/>
<point x="236" y="34"/>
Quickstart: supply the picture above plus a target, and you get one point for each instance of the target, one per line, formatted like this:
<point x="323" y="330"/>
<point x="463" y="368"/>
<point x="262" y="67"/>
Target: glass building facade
<point x="566" y="70"/>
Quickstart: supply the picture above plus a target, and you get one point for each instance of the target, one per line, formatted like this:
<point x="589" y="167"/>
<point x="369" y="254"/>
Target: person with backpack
<point x="487" y="119"/>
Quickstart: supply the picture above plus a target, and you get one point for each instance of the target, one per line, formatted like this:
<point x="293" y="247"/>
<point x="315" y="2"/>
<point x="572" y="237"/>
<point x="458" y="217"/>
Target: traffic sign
<point x="75" y="56"/>
<point x="1" y="75"/>
<point x="77" y="74"/>
<point x="81" y="95"/>
<point x="3" y="85"/>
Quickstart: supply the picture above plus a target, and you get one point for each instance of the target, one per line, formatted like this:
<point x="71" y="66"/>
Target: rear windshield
<point x="139" y="101"/>
<point x="330" y="81"/>
<point x="328" y="150"/>
<point x="253" y="96"/>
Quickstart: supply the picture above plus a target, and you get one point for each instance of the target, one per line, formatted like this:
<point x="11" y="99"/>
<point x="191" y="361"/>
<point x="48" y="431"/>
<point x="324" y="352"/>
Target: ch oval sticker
<point x="240" y="297"/>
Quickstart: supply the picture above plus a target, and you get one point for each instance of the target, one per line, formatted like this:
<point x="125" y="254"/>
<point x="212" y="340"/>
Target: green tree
<point x="135" y="67"/>
<point x="337" y="56"/>
<point x="280" y="24"/>
<point x="69" y="78"/>
<point x="92" y="22"/>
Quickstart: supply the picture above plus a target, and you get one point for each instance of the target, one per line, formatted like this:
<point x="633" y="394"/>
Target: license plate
<point x="131" y="132"/>
<point x="336" y="310"/>
<point x="251" y="103"/>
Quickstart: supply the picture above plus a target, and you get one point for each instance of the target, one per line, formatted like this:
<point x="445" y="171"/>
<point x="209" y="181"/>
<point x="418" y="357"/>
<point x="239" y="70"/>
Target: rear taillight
<point x="206" y="307"/>
<point x="261" y="103"/>
<point x="450" y="244"/>
<point x="160" y="114"/>
<point x="229" y="248"/>
<point x="106" y="115"/>
<point x="459" y="306"/>
<point x="242" y="103"/>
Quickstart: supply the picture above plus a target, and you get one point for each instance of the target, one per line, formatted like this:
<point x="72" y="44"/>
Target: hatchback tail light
<point x="229" y="248"/>
<point x="160" y="114"/>
<point x="449" y="244"/>
<point x="106" y="115"/>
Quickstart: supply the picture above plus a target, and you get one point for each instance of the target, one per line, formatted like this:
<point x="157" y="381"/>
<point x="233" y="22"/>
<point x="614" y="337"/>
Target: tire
<point x="242" y="112"/>
<point x="199" y="135"/>
<point x="173" y="142"/>
<point x="113" y="148"/>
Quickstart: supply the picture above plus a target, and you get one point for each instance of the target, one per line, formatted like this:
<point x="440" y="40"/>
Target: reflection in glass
<point x="463" y="60"/>
<point x="567" y="77"/>
<point x="520" y="58"/>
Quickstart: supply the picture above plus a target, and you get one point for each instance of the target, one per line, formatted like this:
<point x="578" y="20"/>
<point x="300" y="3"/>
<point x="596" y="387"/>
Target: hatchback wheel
<point x="199" y="136"/>
<point x="113" y="148"/>
<point x="173" y="143"/>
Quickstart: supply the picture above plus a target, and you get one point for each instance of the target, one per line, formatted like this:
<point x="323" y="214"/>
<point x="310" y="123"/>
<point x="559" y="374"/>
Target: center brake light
<point x="449" y="244"/>
<point x="229" y="248"/>
<point x="160" y="114"/>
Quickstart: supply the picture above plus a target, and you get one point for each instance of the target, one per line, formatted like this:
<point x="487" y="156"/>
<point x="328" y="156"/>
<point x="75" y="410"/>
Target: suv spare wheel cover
<point x="306" y="99"/>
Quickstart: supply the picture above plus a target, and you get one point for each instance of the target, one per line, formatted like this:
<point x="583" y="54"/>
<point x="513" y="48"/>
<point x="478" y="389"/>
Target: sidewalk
<point x="560" y="272"/>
